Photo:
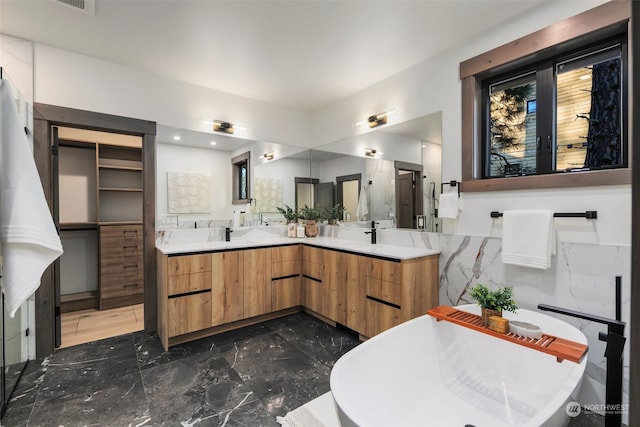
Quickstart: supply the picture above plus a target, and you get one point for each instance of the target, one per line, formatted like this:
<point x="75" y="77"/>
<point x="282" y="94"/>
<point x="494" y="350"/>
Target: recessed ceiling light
<point x="212" y="143"/>
<point x="176" y="138"/>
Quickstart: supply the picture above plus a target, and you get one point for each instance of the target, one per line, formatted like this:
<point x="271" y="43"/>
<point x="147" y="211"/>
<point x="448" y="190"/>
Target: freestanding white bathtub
<point x="429" y="373"/>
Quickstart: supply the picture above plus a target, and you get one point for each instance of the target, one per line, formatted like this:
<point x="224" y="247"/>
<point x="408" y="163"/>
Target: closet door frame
<point x="46" y="116"/>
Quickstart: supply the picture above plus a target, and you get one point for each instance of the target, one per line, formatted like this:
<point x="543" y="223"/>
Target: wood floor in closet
<point x="84" y="326"/>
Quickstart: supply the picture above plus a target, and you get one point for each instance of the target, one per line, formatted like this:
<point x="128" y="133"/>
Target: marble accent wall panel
<point x="582" y="278"/>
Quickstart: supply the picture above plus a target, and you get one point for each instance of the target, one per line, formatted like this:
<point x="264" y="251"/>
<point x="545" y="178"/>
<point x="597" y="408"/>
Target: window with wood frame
<point x="550" y="109"/>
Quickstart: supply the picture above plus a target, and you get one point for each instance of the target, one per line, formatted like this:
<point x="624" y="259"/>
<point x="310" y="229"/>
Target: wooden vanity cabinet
<point x="286" y="277"/>
<point x="203" y="294"/>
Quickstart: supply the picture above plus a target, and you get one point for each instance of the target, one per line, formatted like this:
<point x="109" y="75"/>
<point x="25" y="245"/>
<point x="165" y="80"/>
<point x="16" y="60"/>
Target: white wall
<point x="77" y="81"/>
<point x="170" y="157"/>
<point x="434" y="85"/>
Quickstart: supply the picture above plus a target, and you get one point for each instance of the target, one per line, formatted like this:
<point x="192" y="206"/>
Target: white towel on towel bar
<point x="528" y="238"/>
<point x="28" y="238"/>
<point x="448" y="205"/>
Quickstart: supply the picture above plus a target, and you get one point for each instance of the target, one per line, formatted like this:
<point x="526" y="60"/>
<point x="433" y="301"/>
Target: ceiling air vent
<point x="86" y="6"/>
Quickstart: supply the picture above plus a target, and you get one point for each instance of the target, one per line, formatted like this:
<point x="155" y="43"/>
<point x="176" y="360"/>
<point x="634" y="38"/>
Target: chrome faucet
<point x="373" y="232"/>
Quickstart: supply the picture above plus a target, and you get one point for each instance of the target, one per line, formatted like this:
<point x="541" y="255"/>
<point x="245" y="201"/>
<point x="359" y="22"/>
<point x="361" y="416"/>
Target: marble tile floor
<point x="245" y="377"/>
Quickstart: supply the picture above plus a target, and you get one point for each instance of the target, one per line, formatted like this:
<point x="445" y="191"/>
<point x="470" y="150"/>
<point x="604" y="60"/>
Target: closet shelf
<point x="69" y="226"/>
<point x="120" y="223"/>
<point x="139" y="190"/>
<point x="122" y="168"/>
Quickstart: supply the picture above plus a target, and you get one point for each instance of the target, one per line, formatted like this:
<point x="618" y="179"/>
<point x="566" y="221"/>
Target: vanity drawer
<point x="188" y="264"/>
<point x="383" y="290"/>
<point x="188" y="313"/>
<point x="312" y="254"/>
<point x="388" y="271"/>
<point x="285" y="253"/>
<point x="185" y="283"/>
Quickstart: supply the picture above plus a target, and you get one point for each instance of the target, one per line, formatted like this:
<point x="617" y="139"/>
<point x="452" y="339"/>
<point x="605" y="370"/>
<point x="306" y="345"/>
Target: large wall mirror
<point x="390" y="174"/>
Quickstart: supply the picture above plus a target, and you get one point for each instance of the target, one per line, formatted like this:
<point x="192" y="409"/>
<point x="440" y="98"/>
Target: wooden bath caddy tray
<point x="560" y="348"/>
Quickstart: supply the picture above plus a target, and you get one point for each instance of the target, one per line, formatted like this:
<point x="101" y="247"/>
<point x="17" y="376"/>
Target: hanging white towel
<point x="363" y="205"/>
<point x="528" y="238"/>
<point x="29" y="242"/>
<point x="449" y="205"/>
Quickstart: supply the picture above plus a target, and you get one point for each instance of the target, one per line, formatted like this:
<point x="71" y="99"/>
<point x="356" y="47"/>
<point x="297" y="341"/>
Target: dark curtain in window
<point x="603" y="138"/>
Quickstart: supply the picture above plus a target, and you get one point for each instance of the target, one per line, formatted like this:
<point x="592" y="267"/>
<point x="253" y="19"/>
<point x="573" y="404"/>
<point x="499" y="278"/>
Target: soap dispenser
<point x="301" y="230"/>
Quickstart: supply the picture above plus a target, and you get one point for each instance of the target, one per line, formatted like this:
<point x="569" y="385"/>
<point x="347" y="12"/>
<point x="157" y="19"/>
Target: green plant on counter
<point x="290" y="214"/>
<point x="311" y="214"/>
<point x="500" y="299"/>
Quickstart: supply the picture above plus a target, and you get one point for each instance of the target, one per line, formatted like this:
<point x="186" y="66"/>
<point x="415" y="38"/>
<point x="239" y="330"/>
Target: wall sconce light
<point x="268" y="156"/>
<point x="225" y="127"/>
<point x="376" y="119"/>
<point x="371" y="152"/>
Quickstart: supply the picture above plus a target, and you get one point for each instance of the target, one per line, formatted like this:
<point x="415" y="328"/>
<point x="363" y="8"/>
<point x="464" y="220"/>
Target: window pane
<point x="512" y="106"/>
<point x="588" y="112"/>
<point x="243" y="181"/>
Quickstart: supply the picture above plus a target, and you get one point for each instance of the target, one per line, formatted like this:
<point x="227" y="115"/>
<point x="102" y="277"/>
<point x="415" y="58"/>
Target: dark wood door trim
<point x="46" y="116"/>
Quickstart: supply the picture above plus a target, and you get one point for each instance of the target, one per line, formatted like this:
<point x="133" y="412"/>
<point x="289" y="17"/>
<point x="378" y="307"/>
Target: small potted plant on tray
<point x="493" y="302"/>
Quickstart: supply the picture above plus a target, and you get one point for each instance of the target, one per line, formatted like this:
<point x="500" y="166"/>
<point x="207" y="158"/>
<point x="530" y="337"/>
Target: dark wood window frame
<point x="237" y="163"/>
<point x="599" y="22"/>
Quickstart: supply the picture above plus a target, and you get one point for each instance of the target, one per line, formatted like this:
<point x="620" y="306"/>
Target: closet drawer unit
<point x="122" y="288"/>
<point x="125" y="232"/>
<point x="121" y="266"/>
<point x="110" y="248"/>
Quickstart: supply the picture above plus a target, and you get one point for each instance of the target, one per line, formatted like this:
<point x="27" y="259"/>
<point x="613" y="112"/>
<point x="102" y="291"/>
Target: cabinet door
<point x="227" y="293"/>
<point x="313" y="292"/>
<point x="333" y="281"/>
<point x="257" y="282"/>
<point x="380" y="317"/>
<point x="286" y="292"/>
<point x="189" y="313"/>
<point x="355" y="290"/>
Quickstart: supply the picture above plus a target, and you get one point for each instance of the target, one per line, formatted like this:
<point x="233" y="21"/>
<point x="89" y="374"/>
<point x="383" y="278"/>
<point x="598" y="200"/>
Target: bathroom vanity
<point x="212" y="287"/>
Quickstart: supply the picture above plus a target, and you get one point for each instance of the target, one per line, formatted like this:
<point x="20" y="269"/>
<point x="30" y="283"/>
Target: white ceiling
<point x="301" y="54"/>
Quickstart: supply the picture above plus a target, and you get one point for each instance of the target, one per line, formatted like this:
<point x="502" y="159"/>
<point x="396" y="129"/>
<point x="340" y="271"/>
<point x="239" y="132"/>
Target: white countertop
<point x="379" y="250"/>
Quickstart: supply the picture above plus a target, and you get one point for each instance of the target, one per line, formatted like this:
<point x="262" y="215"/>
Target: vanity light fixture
<point x="371" y="152"/>
<point x="268" y="156"/>
<point x="376" y="119"/>
<point x="225" y="127"/>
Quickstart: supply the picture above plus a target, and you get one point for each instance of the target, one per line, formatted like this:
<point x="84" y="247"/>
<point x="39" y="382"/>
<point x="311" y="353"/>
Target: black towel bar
<point x="451" y="184"/>
<point x="587" y="214"/>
